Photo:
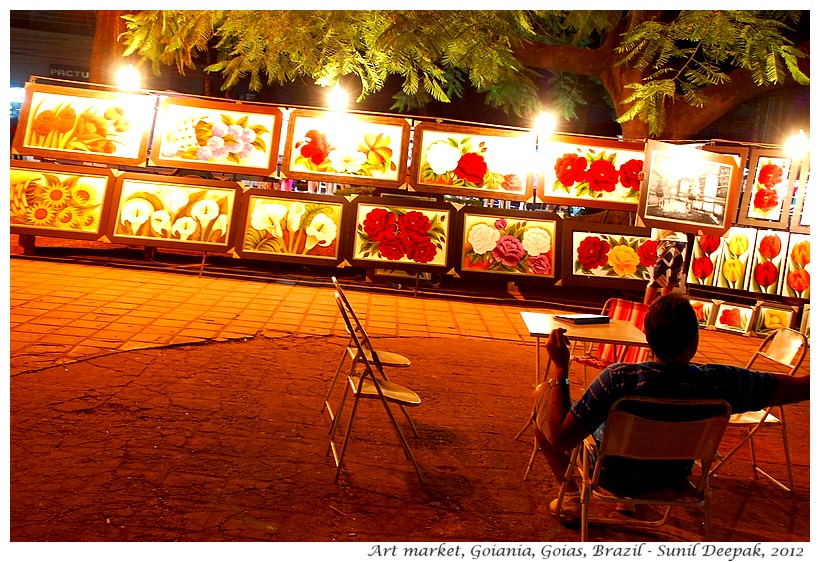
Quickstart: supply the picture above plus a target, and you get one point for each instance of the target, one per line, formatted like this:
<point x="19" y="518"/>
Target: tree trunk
<point x="106" y="56"/>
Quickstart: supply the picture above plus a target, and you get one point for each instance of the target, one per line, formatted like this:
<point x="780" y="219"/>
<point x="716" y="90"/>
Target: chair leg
<point x="335" y="378"/>
<point x="340" y="458"/>
<point x="534" y="454"/>
<point x="407" y="452"/>
<point x="523" y="429"/>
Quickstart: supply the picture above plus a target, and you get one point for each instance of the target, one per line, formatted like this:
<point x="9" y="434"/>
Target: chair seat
<point x="386" y="358"/>
<point x="681" y="491"/>
<point x="590" y="361"/>
<point x="392" y="392"/>
<point x="752" y="418"/>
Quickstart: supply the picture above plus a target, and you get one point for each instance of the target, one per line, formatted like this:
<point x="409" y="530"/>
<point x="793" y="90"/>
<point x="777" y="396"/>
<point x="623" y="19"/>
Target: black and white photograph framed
<point x="689" y="190"/>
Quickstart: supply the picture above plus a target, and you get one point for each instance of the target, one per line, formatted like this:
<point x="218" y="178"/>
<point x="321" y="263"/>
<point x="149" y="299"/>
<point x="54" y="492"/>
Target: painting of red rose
<point x="398" y="234"/>
<point x="592" y="252"/>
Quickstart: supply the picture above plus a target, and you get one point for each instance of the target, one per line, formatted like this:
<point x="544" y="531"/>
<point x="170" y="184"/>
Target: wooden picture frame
<point x="347" y="148"/>
<point x="402" y="233"/>
<point x="473" y="161"/>
<point x="771" y="317"/>
<point x="705" y="262"/>
<point x="166" y="211"/>
<point x="768" y="258"/>
<point x="796" y="277"/>
<point x="767" y="196"/>
<point x="805" y="322"/>
<point x="294" y="227"/>
<point x="800" y="221"/>
<point x="732" y="317"/>
<point x="705" y="311"/>
<point x="590" y="173"/>
<point x="496" y="243"/>
<point x="588" y="258"/>
<point x="60" y="201"/>
<point x="689" y="190"/>
<point x="59" y="122"/>
<point x="736" y="250"/>
<point x="217" y="136"/>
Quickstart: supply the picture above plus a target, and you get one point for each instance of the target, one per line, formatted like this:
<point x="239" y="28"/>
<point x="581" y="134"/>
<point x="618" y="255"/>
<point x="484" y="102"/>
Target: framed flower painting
<point x="800" y="222"/>
<point x="732" y="317"/>
<point x="216" y="136"/>
<point x="346" y="148"/>
<point x="183" y="213"/>
<point x="60" y="201"/>
<point x="706" y="260"/>
<point x="705" y="311"/>
<point x="512" y="243"/>
<point x="771" y="317"/>
<point x="85" y="125"/>
<point x="607" y="255"/>
<point x="473" y="161"/>
<point x="736" y="258"/>
<point x="604" y="174"/>
<point x="797" y="280"/>
<point x="401" y="233"/>
<point x="805" y="322"/>
<point x="293" y="227"/>
<point x="767" y="261"/>
<point x="769" y="190"/>
<point x="689" y="190"/>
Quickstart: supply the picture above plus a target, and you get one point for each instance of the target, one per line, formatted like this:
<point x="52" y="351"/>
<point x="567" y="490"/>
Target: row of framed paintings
<point x="758" y="319"/>
<point x="396" y="232"/>
<point x="665" y="184"/>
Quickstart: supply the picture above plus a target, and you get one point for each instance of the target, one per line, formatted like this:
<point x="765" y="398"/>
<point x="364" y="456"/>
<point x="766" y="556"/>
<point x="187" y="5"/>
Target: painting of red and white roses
<point x="769" y="190"/>
<point x="346" y="148"/>
<point x="401" y="235"/>
<point x="218" y="136"/>
<point x="174" y="212"/>
<point x="473" y="161"/>
<point x="288" y="225"/>
<point x="797" y="280"/>
<point x="601" y="174"/>
<point x="87" y="125"/>
<point x="615" y="256"/>
<point x="59" y="201"/>
<point x="509" y="245"/>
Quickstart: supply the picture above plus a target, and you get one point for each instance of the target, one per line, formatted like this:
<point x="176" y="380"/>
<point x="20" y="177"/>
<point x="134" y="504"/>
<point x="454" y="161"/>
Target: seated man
<point x="672" y="333"/>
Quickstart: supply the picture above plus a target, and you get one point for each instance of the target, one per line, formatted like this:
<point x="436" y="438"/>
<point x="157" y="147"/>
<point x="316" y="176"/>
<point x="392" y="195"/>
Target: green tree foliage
<point x="656" y="66"/>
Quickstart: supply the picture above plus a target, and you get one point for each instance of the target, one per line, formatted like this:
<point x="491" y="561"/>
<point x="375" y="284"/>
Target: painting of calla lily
<point x="293" y="227"/>
<point x="174" y="212"/>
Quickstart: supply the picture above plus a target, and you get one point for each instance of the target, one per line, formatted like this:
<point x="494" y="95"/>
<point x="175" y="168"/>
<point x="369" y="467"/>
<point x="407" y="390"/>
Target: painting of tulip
<point x="768" y="195"/>
<point x="771" y="318"/>
<point x="59" y="201"/>
<point x="602" y="174"/>
<point x="84" y="125"/>
<point x="511" y="244"/>
<point x="217" y="136"/>
<point x="174" y="212"/>
<point x="283" y="226"/>
<point x="706" y="260"/>
<point x="346" y="148"/>
<point x="737" y="249"/>
<point x="401" y="235"/>
<point x="734" y="317"/>
<point x="767" y="261"/>
<point x="797" y="280"/>
<point x="704" y="312"/>
<point x="800" y="221"/>
<point x="472" y="161"/>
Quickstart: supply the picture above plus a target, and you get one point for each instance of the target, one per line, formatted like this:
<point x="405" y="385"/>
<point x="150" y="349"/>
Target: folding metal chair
<point x="782" y="348"/>
<point x="387" y="358"/>
<point x="650" y="429"/>
<point x="367" y="380"/>
<point x="603" y="355"/>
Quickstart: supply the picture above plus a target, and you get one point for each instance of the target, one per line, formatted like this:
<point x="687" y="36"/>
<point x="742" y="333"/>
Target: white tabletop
<point x="616" y="332"/>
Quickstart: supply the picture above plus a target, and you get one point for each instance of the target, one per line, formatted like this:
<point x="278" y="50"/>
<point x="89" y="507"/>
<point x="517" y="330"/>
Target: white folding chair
<point x="782" y="348"/>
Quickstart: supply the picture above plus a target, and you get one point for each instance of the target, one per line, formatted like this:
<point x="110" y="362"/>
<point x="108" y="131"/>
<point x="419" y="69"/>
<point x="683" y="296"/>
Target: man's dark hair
<point x="671" y="326"/>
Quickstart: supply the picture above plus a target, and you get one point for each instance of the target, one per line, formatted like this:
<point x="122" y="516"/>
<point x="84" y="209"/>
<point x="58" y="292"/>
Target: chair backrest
<point x="355" y="323"/>
<point x="664" y="429"/>
<point x="634" y="312"/>
<point x="365" y="352"/>
<point x="785" y="346"/>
